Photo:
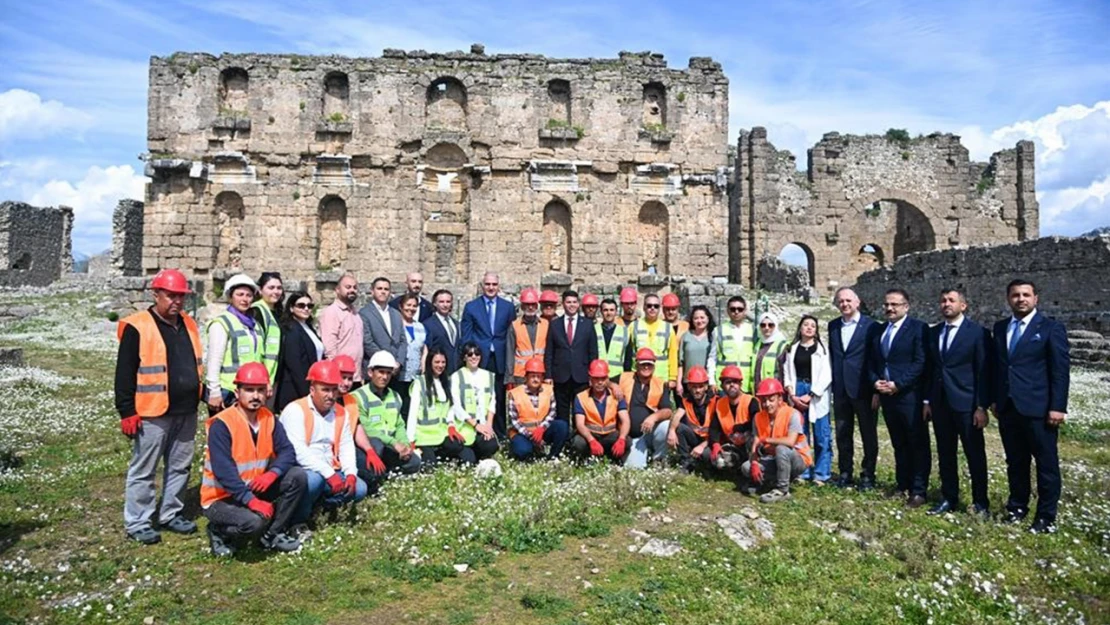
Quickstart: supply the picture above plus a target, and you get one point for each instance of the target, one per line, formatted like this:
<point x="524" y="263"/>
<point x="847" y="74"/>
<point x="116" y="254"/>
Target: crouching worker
<point x="600" y="419"/>
<point x="649" y="411"/>
<point x="322" y="437"/>
<point x="730" y="430"/>
<point x="689" y="429"/>
<point x="533" y="426"/>
<point x="381" y="443"/>
<point x="475" y="404"/>
<point x="430" y="425"/>
<point x="251" y="484"/>
<point x="779" y="446"/>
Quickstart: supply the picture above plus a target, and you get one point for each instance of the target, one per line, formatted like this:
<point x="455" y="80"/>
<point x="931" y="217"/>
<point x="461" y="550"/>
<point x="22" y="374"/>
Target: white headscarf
<point x="776" y="335"/>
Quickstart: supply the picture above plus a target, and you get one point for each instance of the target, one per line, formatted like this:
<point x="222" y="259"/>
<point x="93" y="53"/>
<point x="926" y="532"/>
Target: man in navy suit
<point x="1030" y="400"/>
<point x="571" y="347"/>
<point x="957" y="393"/>
<point x="443" y="330"/>
<point x="486" y="322"/>
<point x="414" y="283"/>
<point x="897" y="375"/>
<point x="849" y="338"/>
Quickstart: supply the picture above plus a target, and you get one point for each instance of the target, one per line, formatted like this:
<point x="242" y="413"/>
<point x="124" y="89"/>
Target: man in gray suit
<point x="382" y="327"/>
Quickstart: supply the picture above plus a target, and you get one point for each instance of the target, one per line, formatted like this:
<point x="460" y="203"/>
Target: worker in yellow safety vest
<point x="734" y="341"/>
<point x="612" y="339"/>
<point x="656" y="334"/>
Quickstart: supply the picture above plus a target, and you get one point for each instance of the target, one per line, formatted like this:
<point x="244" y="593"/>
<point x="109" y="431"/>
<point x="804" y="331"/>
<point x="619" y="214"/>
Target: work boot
<point x="300" y="532"/>
<point x="774" y="496"/>
<point x="146" y="536"/>
<point x="280" y="542"/>
<point x="180" y="525"/>
<point x="219" y="548"/>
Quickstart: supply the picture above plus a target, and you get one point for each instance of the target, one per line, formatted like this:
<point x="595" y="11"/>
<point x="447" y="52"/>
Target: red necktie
<point x="570" y="330"/>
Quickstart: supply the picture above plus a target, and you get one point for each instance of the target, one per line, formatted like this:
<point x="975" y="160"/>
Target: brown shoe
<point x="915" y="502"/>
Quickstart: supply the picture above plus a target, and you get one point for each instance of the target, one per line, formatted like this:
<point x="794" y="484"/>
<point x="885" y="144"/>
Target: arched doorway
<point x="229" y="226"/>
<point x="799" y="255"/>
<point x="556" y="237"/>
<point x="870" y="256"/>
<point x="654" y="229"/>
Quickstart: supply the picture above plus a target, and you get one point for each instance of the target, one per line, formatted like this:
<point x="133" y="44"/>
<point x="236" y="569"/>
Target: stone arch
<point x="870" y="256"/>
<point x="900" y="223"/>
<point x="790" y="250"/>
<point x="442" y="167"/>
<point x="445" y="104"/>
<point x="654" y="230"/>
<point x="559" y="98"/>
<point x="229" y="226"/>
<point x="331" y="242"/>
<point x="654" y="106"/>
<point x="337" y="96"/>
<point x="234" y="86"/>
<point x="556" y="237"/>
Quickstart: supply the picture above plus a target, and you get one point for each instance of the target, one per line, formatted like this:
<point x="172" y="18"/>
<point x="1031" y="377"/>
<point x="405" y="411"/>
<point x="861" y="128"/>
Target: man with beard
<point x="340" y="325"/>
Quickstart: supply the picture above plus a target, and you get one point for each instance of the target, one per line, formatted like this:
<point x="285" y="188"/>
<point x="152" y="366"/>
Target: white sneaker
<point x="774" y="496"/>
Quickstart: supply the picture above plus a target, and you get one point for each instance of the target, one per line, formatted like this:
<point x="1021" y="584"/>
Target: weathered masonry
<point x="35" y="244"/>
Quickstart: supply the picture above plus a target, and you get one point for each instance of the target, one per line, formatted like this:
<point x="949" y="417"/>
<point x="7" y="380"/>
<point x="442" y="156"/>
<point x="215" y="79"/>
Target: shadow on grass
<point x="11" y="533"/>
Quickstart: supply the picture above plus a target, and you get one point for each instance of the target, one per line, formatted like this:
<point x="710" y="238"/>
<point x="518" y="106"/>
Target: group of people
<point x="306" y="414"/>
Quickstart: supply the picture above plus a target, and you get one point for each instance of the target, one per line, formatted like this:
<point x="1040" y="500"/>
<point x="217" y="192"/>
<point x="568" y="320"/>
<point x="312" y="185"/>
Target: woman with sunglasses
<point x="767" y="359"/>
<point x="430" y="425"/>
<point x="475" y="403"/>
<point x="807" y="377"/>
<point x="300" y="347"/>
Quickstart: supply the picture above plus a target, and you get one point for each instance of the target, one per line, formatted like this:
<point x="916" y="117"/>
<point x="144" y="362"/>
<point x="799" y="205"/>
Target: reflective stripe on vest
<point x="431" y="421"/>
<point x="341" y="428"/>
<point x="768" y="364"/>
<point x="240" y="350"/>
<point x="524" y="347"/>
<point x="251" y="458"/>
<point x="729" y="422"/>
<point x="529" y="415"/>
<point x="271" y="342"/>
<point x="595" y="422"/>
<point x="780" y="428"/>
<point x="735" y="345"/>
<point x="701" y="428"/>
<point x="152" y="398"/>
<point x="376" y="415"/>
<point x="467" y="386"/>
<point x="658" y="341"/>
<point x="655" y="390"/>
<point x="614" y="354"/>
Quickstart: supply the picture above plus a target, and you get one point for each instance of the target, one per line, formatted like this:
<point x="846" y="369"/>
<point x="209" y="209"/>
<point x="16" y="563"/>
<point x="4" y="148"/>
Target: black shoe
<point x="941" y="508"/>
<point x="915" y="501"/>
<point x="1041" y="525"/>
<point x="1014" y="516"/>
<point x="280" y="542"/>
<point x="219" y="548"/>
<point x="866" y="483"/>
<point x="981" y="511"/>
<point x="146" y="536"/>
<point x="180" y="525"/>
<point x="845" y="480"/>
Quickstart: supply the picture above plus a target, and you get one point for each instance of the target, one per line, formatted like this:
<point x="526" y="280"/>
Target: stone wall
<point x="780" y="277"/>
<point x="35" y="246"/>
<point x="127" y="238"/>
<point x="1069" y="274"/>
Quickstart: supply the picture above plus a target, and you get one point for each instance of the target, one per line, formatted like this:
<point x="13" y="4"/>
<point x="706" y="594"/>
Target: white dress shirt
<point x="952" y="330"/>
<point x="1023" y="325"/>
<point x="848" y="329"/>
<point x="316" y="454"/>
<point x="384" y="312"/>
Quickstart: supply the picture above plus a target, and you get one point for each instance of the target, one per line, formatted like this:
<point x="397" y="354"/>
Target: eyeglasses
<point x="893" y="304"/>
<point x="766" y="325"/>
<point x="736" y="309"/>
<point x="651" y="305"/>
<point x="304" y="305"/>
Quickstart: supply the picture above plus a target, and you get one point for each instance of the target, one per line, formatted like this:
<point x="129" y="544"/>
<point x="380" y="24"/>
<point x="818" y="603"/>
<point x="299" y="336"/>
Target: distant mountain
<point x="1097" y="232"/>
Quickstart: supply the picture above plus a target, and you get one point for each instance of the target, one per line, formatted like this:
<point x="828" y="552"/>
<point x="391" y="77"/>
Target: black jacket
<point x="298" y="352"/>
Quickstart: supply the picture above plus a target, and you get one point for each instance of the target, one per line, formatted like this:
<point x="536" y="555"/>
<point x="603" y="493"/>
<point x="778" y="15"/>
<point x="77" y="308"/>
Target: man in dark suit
<point x="897" y="362"/>
<point x="957" y="393"/>
<point x="1030" y="399"/>
<point x="849" y="338"/>
<point x="571" y="347"/>
<point x="383" y="329"/>
<point x="414" y="283"/>
<point x="443" y="330"/>
<point x="486" y="322"/>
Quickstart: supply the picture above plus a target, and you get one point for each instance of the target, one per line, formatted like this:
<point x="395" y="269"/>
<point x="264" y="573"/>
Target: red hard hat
<point x="697" y="375"/>
<point x="253" y="373"/>
<point x="732" y="372"/>
<point x="768" y="387"/>
<point x="534" y="365"/>
<point x="171" y="280"/>
<point x="549" y="297"/>
<point x="644" y="354"/>
<point x="529" y="296"/>
<point x="324" y="371"/>
<point x="589" y="299"/>
<point x="670" y="300"/>
<point x="628" y="295"/>
<point x="599" y="369"/>
<point x="346" y="364"/>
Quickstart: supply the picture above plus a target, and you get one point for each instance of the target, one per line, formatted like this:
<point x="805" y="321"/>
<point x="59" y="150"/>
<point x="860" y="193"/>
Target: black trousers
<point x="582" y="447"/>
<point x="234" y="521"/>
<point x="950" y="428"/>
<point x="564" y="398"/>
<point x="847" y="411"/>
<point x="402" y="389"/>
<point x="913" y="454"/>
<point x="390" y="458"/>
<point x="1026" y="439"/>
<point x="467" y="454"/>
<point x="500" y="427"/>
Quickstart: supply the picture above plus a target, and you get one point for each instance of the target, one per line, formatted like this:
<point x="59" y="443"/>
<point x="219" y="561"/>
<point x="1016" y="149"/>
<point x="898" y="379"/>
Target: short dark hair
<point x="738" y="298"/>
<point x="406" y="297"/>
<point x="646" y="296"/>
<point x="267" y="276"/>
<point x="380" y="279"/>
<point x="1020" y="282"/>
<point x="956" y="290"/>
<point x="609" y="300"/>
<point x="570" y="293"/>
<point x="898" y="291"/>
<point x="436" y="295"/>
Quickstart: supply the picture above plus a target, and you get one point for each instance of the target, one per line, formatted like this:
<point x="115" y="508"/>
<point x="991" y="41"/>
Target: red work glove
<point x="130" y="426"/>
<point x="453" y="434"/>
<point x="335" y="484"/>
<point x="757" y="472"/>
<point x="714" y="451"/>
<point x="595" y="448"/>
<point x="263" y="482"/>
<point x="263" y="508"/>
<point x="510" y="386"/>
<point x="618" y="447"/>
<point x="351" y="485"/>
<point x="374" y="462"/>
<point x="537" y="435"/>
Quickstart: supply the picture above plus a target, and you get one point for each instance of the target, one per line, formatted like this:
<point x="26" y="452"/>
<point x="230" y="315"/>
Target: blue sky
<point x="73" y="91"/>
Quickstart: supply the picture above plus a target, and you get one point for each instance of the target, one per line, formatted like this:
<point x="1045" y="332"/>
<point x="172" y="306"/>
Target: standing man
<point x="443" y="329"/>
<point x="486" y="322"/>
<point x="384" y="330"/>
<point x="849" y="339"/>
<point x="157" y="388"/>
<point x="548" y="301"/>
<point x="341" y="330"/>
<point x="529" y="336"/>
<point x="1030" y="395"/>
<point x="897" y="375"/>
<point x="957" y="393"/>
<point x="628" y="299"/>
<point x="414" y="283"/>
<point x="678" y="327"/>
<point x="654" y="333"/>
<point x="571" y="347"/>
<point x="612" y="339"/>
<point x="734" y="341"/>
<point x="590" y="305"/>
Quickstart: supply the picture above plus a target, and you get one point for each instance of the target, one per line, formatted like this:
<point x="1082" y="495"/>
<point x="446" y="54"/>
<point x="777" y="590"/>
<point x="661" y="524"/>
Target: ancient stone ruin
<point x="35" y="244"/>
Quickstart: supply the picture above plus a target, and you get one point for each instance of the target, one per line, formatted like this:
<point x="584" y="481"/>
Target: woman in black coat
<point x="300" y="347"/>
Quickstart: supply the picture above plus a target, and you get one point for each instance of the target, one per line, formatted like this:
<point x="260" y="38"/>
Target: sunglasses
<point x="651" y="305"/>
<point x="736" y="309"/>
<point x="304" y="306"/>
<point x="472" y="354"/>
<point x="766" y="325"/>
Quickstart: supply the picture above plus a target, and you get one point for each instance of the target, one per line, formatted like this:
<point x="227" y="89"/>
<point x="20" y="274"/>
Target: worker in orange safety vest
<point x="779" y="446"/>
<point x="600" y="419"/>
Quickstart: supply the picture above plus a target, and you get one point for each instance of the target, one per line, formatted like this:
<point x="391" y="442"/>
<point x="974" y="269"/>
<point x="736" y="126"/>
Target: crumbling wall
<point x="35" y="246"/>
<point x="127" y="238"/>
<point x="777" y="276"/>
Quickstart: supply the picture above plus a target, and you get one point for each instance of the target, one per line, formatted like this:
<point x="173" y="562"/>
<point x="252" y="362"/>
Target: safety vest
<point x="152" y="382"/>
<point x="731" y="426"/>
<point x="769" y="363"/>
<point x="658" y="340"/>
<point x="380" y="418"/>
<point x="271" y="339"/>
<point x="765" y="428"/>
<point x="342" y="427"/>
<point x="240" y="350"/>
<point x="524" y="347"/>
<point x="701" y="428"/>
<point x="531" y="416"/>
<point x="597" y="424"/>
<point x="251" y="457"/>
<point x="614" y="354"/>
<point x="431" y="421"/>
<point x="655" y="389"/>
<point x="735" y="345"/>
<point x="467" y="386"/>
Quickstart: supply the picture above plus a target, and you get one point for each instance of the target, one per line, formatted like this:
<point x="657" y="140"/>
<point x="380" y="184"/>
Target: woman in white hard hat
<point x="234" y="339"/>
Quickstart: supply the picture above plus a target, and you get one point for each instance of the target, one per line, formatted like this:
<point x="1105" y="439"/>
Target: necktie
<point x="944" y="339"/>
<point x="570" y="330"/>
<point x="489" y="313"/>
<point x="1015" y="334"/>
<point x="886" y="339"/>
<point x="450" y="329"/>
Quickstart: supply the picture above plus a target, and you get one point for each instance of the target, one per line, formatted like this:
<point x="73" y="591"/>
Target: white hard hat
<point x="382" y="360"/>
<point x="239" y="279"/>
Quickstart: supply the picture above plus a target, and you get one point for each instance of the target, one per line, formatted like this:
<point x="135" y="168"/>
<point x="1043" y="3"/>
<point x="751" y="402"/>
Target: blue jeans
<point x="555" y="437"/>
<point x="819" y="435"/>
<point x="318" y="488"/>
<point x="648" y="447"/>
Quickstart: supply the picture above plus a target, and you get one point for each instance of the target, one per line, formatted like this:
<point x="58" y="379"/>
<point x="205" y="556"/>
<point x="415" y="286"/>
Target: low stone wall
<point x="35" y="247"/>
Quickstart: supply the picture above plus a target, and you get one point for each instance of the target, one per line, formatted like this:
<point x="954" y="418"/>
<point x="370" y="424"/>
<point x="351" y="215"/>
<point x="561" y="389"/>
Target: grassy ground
<point x="546" y="543"/>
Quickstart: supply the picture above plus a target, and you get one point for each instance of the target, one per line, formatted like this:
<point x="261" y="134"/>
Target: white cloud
<point x="93" y="199"/>
<point x="25" y="114"/>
